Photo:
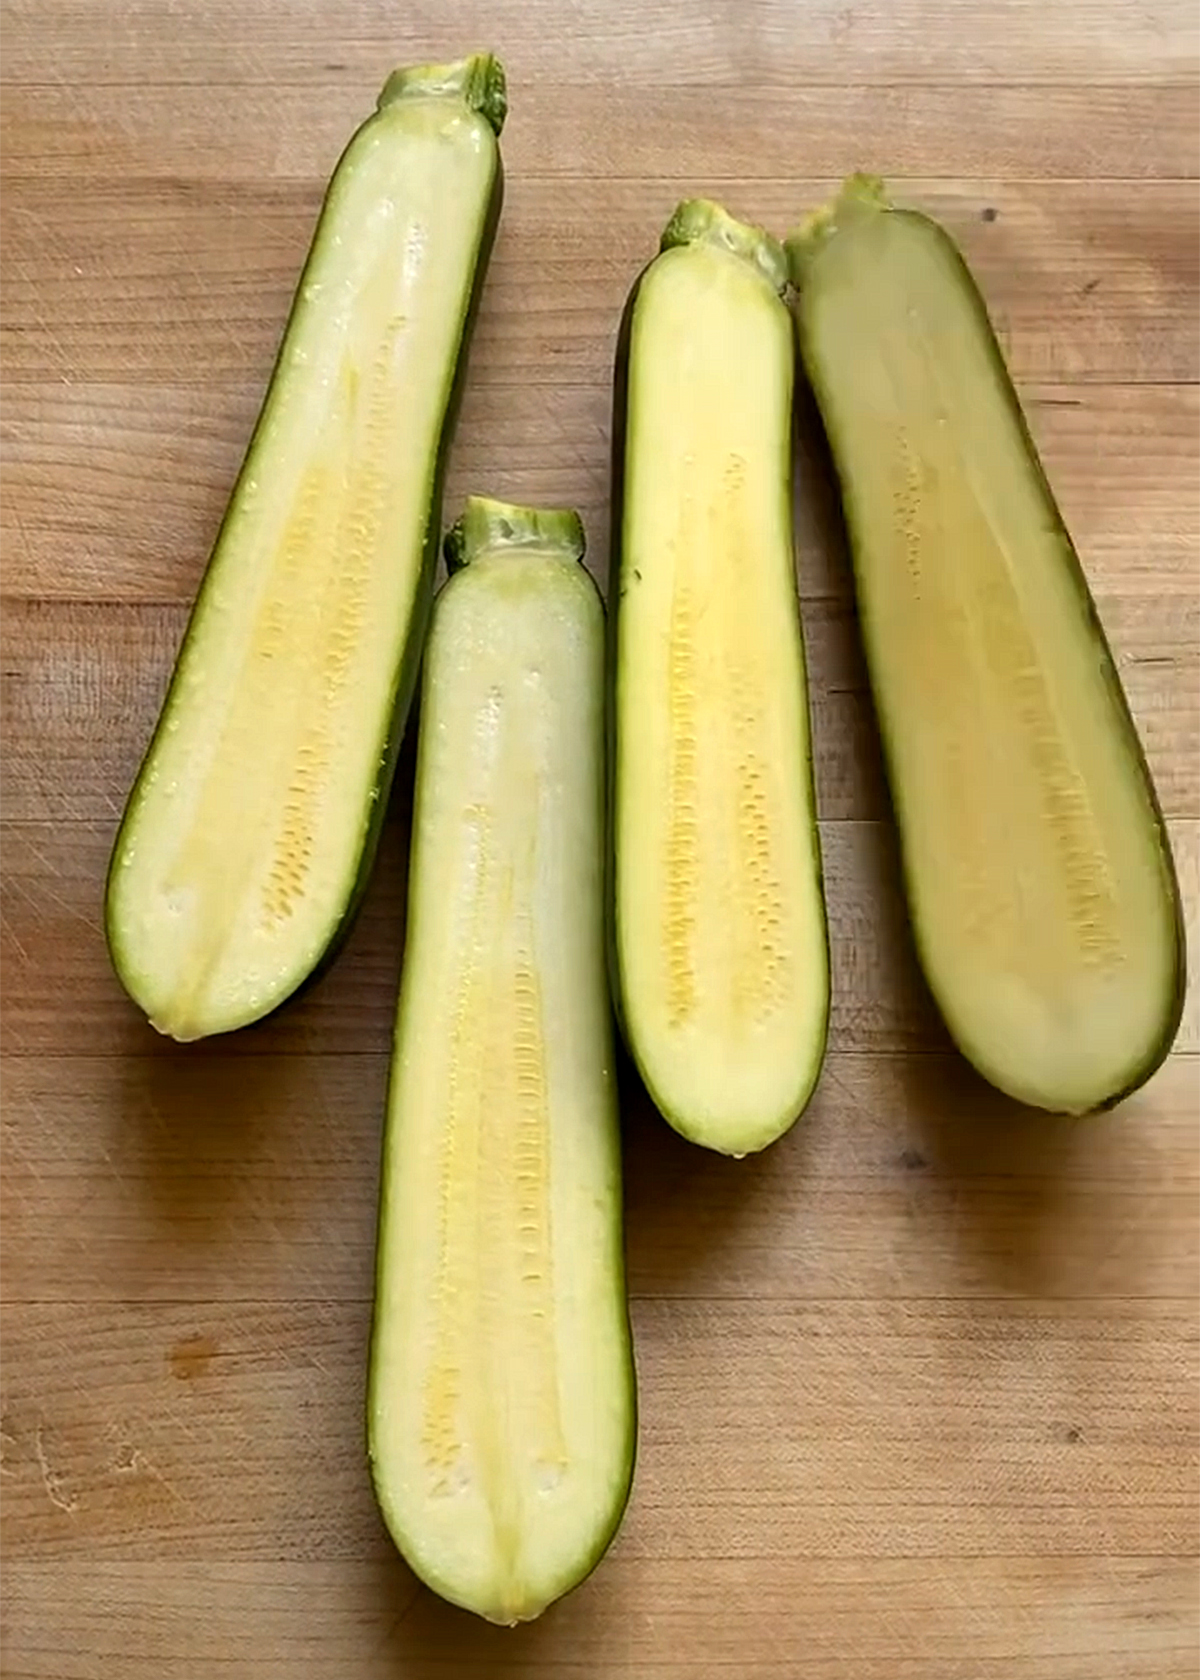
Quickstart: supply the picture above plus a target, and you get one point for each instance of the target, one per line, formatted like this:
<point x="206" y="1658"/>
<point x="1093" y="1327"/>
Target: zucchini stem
<point x="487" y="525"/>
<point x="477" y="80"/>
<point x="860" y="196"/>
<point x="701" y="221"/>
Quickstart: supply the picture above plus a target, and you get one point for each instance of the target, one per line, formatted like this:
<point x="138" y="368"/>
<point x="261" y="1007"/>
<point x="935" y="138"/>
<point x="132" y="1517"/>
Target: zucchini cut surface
<point x="1040" y="883"/>
<point x="252" y="822"/>
<point x="721" y="955"/>
<point x="501" y="1402"/>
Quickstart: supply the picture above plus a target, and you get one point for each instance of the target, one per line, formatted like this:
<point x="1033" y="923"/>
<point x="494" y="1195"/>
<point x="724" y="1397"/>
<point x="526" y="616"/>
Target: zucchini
<point x="501" y="1408"/>
<point x="720" y="954"/>
<point x="1040" y="882"/>
<point x="250" y="830"/>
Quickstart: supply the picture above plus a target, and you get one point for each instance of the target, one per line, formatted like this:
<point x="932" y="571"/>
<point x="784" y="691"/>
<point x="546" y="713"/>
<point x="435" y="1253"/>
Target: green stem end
<point x="477" y="80"/>
<point x="701" y="221"/>
<point x="860" y="196"/>
<point x="488" y="525"/>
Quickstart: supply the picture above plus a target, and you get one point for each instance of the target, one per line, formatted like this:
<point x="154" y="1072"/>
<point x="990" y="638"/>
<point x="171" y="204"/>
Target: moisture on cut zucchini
<point x="1040" y="882"/>
<point x="501" y="1412"/>
<point x="251" y="827"/>
<point x="720" y="956"/>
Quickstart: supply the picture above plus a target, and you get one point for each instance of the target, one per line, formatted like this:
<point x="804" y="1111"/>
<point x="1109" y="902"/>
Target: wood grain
<point x="128" y="482"/>
<point x="52" y="948"/>
<point x="84" y="681"/>
<point x="884" y="1418"/>
<point x="919" y="1385"/>
<point x="902" y="1617"/>
<point x="580" y="129"/>
<point x="638" y="43"/>
<point x="169" y="280"/>
<point x="212" y="1179"/>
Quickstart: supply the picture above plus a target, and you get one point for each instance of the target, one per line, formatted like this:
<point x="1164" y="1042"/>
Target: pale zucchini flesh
<point x="501" y="1399"/>
<point x="250" y="827"/>
<point x="721" y="955"/>
<point x="1039" y="876"/>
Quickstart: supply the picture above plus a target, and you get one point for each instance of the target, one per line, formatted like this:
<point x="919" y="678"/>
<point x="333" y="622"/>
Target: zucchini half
<point x="720" y="960"/>
<point x="1040" y="882"/>
<point x="501" y="1410"/>
<point x="250" y="830"/>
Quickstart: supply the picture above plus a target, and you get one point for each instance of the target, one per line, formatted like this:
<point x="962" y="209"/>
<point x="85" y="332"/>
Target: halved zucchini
<point x="251" y="827"/>
<point x="721" y="961"/>
<point x="1039" y="877"/>
<point x="501" y="1409"/>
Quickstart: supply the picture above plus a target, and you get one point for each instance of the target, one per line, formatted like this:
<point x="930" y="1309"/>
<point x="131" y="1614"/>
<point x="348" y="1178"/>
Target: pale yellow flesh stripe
<point x="243" y="844"/>
<point x="720" y="925"/>
<point x="501" y="1382"/>
<point x="1038" y="890"/>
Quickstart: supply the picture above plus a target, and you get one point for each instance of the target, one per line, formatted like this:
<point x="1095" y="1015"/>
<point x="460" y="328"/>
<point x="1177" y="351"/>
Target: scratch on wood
<point x="130" y="1460"/>
<point x="139" y="1462"/>
<point x="15" y="1143"/>
<point x="11" y="933"/>
<point x="7" y="1439"/>
<point x="37" y="902"/>
<point x="51" y="1480"/>
<point x="191" y="1357"/>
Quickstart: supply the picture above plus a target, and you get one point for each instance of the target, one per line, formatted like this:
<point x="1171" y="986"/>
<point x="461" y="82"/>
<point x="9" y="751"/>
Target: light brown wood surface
<point x="918" y="1386"/>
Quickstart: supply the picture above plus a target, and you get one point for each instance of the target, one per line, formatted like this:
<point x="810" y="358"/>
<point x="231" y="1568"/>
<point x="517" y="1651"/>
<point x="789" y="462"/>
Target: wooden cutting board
<point x="919" y="1385"/>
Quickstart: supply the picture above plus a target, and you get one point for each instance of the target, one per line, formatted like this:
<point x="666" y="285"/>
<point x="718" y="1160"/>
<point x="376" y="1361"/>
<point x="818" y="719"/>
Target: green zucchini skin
<point x="690" y="221"/>
<point x="620" y="414"/>
<point x="550" y="543"/>
<point x="863" y="195"/>
<point x="483" y="88"/>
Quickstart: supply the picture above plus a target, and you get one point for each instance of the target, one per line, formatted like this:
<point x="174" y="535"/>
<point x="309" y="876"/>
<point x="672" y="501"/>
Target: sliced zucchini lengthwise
<point x="720" y="959"/>
<point x="249" y="832"/>
<point x="1040" y="882"/>
<point x="501" y="1412"/>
